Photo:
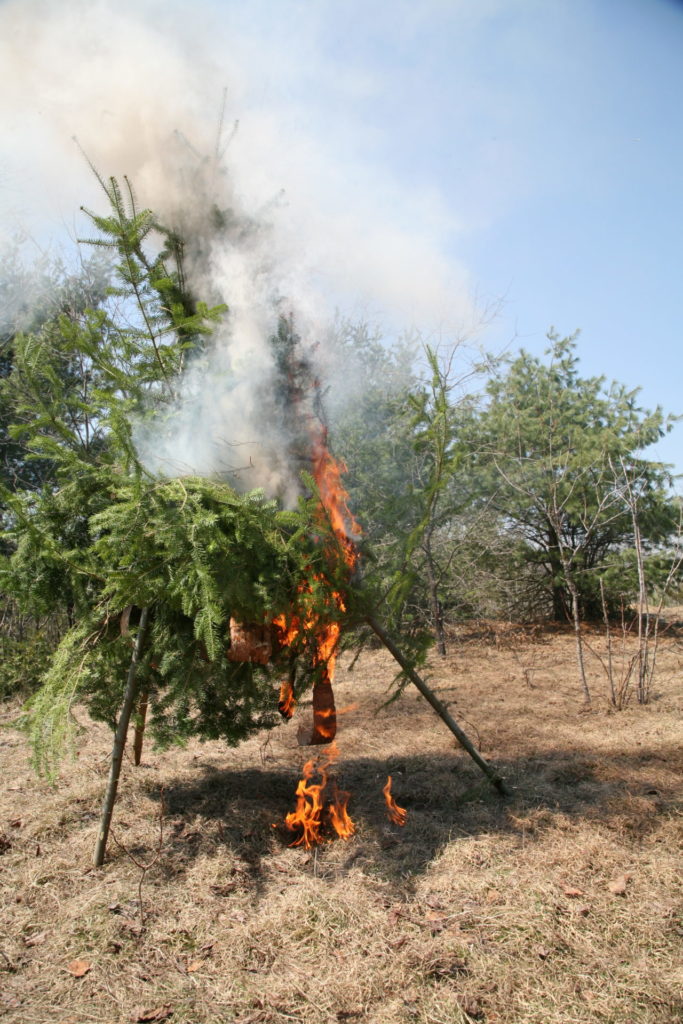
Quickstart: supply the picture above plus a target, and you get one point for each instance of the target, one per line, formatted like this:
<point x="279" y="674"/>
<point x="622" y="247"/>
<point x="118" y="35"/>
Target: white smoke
<point x="140" y="86"/>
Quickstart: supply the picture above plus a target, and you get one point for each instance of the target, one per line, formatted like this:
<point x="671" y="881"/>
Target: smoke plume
<point x="309" y="229"/>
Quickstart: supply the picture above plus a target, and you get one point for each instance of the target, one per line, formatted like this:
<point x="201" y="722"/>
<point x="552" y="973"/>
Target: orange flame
<point x="327" y="473"/>
<point x="314" y="807"/>
<point x="287" y="631"/>
<point x="287" y="701"/>
<point x="397" y="815"/>
<point x="341" y="822"/>
<point x="309" y="808"/>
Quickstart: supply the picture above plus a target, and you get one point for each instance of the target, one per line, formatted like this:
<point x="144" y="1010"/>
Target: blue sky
<point x="552" y="134"/>
<point x="527" y="153"/>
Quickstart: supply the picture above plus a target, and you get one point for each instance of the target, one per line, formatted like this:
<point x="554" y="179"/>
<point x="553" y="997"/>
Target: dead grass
<point x="478" y="910"/>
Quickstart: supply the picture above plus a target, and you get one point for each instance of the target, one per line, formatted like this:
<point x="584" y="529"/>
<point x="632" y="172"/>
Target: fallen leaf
<point x="447" y="968"/>
<point x="395" y="913"/>
<point x="470" y="1006"/>
<point x="435" y="922"/>
<point x="584" y="910"/>
<point x="223" y="890"/>
<point x="79" y="967"/>
<point x="572" y="893"/>
<point x="542" y="952"/>
<point x="132" y="927"/>
<point x="158" y="1013"/>
<point x="434" y="902"/>
<point x="411" y="995"/>
<point x="397" y="943"/>
<point x="194" y="966"/>
<point x="618" y="885"/>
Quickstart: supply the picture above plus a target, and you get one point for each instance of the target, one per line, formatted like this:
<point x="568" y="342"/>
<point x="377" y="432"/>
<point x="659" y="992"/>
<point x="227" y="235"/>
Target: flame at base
<point x="339" y="817"/>
<point x="315" y="806"/>
<point x="397" y="815"/>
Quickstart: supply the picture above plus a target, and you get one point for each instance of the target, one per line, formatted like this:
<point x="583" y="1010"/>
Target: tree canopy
<point x="102" y="537"/>
<point x="556" y="455"/>
<point x="501" y="502"/>
<point x="534" y="497"/>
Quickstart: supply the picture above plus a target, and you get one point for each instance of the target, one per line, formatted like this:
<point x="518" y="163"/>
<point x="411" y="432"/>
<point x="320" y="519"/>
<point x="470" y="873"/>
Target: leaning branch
<point x="440" y="708"/>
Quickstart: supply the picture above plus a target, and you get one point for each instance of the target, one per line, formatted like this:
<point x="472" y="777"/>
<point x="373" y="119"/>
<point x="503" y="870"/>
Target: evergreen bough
<point x="104" y="539"/>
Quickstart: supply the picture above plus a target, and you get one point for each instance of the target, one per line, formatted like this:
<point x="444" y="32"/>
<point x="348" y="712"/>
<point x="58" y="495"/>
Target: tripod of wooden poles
<point x="132" y="696"/>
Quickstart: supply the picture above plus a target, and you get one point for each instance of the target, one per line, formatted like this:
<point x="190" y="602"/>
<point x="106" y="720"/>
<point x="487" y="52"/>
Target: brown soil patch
<point x="563" y="903"/>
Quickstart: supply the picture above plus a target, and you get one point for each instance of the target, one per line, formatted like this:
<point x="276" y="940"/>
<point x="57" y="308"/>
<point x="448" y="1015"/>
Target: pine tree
<point x="554" y="451"/>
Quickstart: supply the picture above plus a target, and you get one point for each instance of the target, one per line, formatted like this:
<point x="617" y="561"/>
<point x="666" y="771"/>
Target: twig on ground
<point x="143" y="866"/>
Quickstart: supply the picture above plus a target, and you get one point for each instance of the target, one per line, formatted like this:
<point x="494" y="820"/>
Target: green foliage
<point x="558" y="456"/>
<point x="48" y="714"/>
<point x="31" y="301"/>
<point x="102" y="539"/>
<point x="23" y="662"/>
<point x="401" y="438"/>
<point x="196" y="553"/>
<point x="492" y="506"/>
<point x="372" y="432"/>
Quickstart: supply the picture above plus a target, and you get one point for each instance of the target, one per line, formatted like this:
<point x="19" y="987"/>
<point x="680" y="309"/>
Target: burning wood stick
<point x="440" y="708"/>
<point x="324" y="713"/>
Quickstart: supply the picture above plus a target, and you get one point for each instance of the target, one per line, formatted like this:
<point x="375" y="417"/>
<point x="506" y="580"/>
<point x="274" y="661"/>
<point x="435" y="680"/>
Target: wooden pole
<point x="440" y="708"/>
<point x="120" y="741"/>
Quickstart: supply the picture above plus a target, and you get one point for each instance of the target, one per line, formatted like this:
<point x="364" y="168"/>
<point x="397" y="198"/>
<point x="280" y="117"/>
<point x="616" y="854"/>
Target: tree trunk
<point x="558" y="590"/>
<point x="608" y="634"/>
<point x="120" y="741"/>
<point x="440" y="708"/>
<point x="140" y="721"/>
<point x="437" y="610"/>
<point x="559" y="603"/>
<point x="643" y="691"/>
<point x="576" y="618"/>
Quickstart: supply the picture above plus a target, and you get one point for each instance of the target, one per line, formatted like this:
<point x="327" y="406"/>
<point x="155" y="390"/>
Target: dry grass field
<point x="560" y="904"/>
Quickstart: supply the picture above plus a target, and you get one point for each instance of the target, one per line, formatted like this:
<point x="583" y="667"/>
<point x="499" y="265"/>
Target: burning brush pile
<point x="209" y="605"/>
<point x="312" y="628"/>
